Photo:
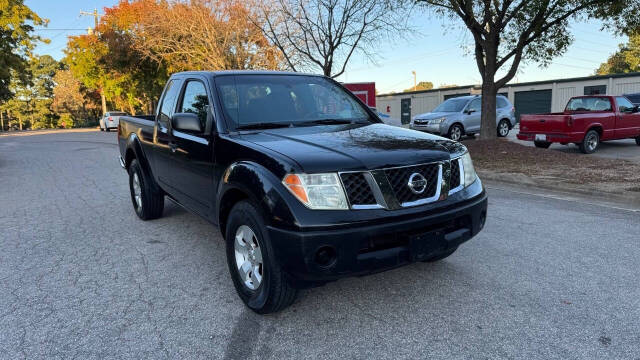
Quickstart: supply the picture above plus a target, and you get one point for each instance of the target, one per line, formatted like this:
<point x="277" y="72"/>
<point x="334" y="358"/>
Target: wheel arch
<point x="247" y="180"/>
<point x="134" y="150"/>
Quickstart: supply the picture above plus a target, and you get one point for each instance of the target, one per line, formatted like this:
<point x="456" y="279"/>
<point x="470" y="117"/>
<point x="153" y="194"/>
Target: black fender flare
<point x="133" y="149"/>
<point x="247" y="179"/>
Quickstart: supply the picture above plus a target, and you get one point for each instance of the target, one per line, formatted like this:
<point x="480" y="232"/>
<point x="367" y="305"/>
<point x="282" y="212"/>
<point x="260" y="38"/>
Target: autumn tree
<point x="323" y="35"/>
<point x="73" y="101"/>
<point x="203" y="35"/>
<point x="507" y="33"/>
<point x="82" y="57"/>
<point x="626" y="59"/>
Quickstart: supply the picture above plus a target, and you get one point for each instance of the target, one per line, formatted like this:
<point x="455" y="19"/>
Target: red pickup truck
<point x="586" y="121"/>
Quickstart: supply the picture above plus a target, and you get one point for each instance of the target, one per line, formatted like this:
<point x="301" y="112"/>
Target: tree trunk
<point x="1" y="121"/>
<point x="132" y="110"/>
<point x="104" y="102"/>
<point x="20" y="121"/>
<point x="488" y="120"/>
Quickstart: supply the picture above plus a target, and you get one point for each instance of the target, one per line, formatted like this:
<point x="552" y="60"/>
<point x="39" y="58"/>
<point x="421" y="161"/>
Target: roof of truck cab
<point x="243" y="72"/>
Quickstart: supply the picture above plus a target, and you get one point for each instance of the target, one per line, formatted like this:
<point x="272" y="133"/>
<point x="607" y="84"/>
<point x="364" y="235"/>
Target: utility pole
<point x="415" y="82"/>
<point x="96" y="17"/>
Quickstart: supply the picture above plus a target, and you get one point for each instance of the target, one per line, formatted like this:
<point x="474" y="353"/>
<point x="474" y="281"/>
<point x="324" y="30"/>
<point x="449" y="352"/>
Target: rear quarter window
<point x="589" y="104"/>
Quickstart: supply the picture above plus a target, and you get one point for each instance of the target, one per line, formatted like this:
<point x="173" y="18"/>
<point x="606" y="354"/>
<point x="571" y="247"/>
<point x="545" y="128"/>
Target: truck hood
<point x="354" y="147"/>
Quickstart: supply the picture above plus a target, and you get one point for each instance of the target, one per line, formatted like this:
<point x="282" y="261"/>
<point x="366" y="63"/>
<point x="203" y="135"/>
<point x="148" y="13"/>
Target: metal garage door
<point x="532" y="102"/>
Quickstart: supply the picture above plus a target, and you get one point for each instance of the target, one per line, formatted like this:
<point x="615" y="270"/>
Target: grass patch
<point x="503" y="156"/>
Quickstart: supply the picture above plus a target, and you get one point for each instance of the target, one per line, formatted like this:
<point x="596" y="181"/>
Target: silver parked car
<point x="461" y="116"/>
<point x="110" y="120"/>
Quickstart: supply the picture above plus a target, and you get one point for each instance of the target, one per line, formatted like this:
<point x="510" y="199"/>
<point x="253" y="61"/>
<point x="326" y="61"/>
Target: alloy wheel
<point x="248" y="257"/>
<point x="504" y="129"/>
<point x="137" y="192"/>
<point x="456" y="133"/>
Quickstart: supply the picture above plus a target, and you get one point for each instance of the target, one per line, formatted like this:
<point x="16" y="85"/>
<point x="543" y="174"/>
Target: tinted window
<point x="589" y="104"/>
<point x="452" y="105"/>
<point x="475" y="105"/>
<point x="195" y="101"/>
<point x="502" y="102"/>
<point x="168" y="103"/>
<point x="624" y="105"/>
<point x="249" y="99"/>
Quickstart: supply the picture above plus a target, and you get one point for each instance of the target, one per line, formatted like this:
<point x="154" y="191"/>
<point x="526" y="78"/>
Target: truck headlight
<point x="469" y="171"/>
<point x="317" y="191"/>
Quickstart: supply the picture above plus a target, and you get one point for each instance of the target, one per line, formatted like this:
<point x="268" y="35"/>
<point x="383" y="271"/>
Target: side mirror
<point x="186" y="122"/>
<point x="470" y="111"/>
<point x="635" y="109"/>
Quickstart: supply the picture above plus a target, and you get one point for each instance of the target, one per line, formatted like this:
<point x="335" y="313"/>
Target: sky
<point x="437" y="49"/>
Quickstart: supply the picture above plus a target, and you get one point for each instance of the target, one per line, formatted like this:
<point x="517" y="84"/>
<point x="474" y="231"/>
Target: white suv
<point x="110" y="120"/>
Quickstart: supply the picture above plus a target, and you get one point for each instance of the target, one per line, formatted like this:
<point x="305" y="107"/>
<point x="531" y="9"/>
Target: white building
<point x="528" y="98"/>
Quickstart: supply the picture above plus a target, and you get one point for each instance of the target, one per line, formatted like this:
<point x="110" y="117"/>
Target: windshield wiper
<point x="262" y="125"/>
<point x="334" y="122"/>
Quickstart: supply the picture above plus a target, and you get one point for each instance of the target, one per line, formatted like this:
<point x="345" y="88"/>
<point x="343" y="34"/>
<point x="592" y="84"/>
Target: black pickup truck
<point x="304" y="181"/>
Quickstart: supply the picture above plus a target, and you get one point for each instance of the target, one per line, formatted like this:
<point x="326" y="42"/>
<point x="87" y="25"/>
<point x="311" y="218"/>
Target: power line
<point x="47" y="29"/>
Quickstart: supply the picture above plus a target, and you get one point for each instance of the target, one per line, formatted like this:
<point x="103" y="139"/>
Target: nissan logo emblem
<point x="417" y="183"/>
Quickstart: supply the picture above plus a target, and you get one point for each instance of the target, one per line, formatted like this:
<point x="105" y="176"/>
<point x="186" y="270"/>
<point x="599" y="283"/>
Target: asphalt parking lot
<point x="82" y="277"/>
<point x="626" y="149"/>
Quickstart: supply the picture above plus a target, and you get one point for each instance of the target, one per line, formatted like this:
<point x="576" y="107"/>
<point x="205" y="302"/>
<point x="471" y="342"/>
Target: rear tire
<point x="590" y="143"/>
<point x="264" y="287"/>
<point x="542" y="144"/>
<point x="147" y="203"/>
<point x="107" y="129"/>
<point x="638" y="140"/>
<point x="503" y="128"/>
<point x="455" y="132"/>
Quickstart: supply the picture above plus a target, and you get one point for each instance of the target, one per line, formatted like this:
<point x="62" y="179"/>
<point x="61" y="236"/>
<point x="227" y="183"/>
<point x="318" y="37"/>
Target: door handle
<point x="173" y="146"/>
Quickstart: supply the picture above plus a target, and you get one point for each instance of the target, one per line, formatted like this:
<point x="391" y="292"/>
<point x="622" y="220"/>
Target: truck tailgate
<point x="544" y="123"/>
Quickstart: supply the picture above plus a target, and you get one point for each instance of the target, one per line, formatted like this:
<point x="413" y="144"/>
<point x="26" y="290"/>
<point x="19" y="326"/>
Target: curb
<point x="628" y="198"/>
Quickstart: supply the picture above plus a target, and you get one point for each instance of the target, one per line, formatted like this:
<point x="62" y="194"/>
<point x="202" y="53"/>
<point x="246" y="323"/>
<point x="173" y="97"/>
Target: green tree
<point x="509" y="32"/>
<point x="625" y="60"/>
<point x="422" y="85"/>
<point x="33" y="94"/>
<point x="16" y="42"/>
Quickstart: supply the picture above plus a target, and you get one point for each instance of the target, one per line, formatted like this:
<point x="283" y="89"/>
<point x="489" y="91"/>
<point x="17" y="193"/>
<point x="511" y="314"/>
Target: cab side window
<point x="168" y="103"/>
<point x="624" y="105"/>
<point x="475" y="106"/>
<point x="195" y="101"/>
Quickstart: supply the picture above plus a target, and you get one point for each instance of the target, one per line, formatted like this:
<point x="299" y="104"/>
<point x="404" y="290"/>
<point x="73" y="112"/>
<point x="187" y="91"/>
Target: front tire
<point x="455" y="132"/>
<point x="638" y="140"/>
<point x="503" y="128"/>
<point x="542" y="144"/>
<point x="256" y="273"/>
<point x="147" y="202"/>
<point x="590" y="142"/>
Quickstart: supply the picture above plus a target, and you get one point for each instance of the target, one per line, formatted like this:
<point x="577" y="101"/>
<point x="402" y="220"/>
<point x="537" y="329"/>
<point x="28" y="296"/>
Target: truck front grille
<point x="358" y="189"/>
<point x="399" y="180"/>
<point x="455" y="174"/>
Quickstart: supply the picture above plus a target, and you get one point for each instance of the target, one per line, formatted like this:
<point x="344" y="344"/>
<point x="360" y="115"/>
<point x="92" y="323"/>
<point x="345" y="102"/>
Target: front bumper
<point x="430" y="128"/>
<point x="553" y="137"/>
<point x="375" y="247"/>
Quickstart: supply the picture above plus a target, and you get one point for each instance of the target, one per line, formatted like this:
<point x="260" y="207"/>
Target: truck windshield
<point x="451" y="105"/>
<point x="589" y="104"/>
<point x="261" y="101"/>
